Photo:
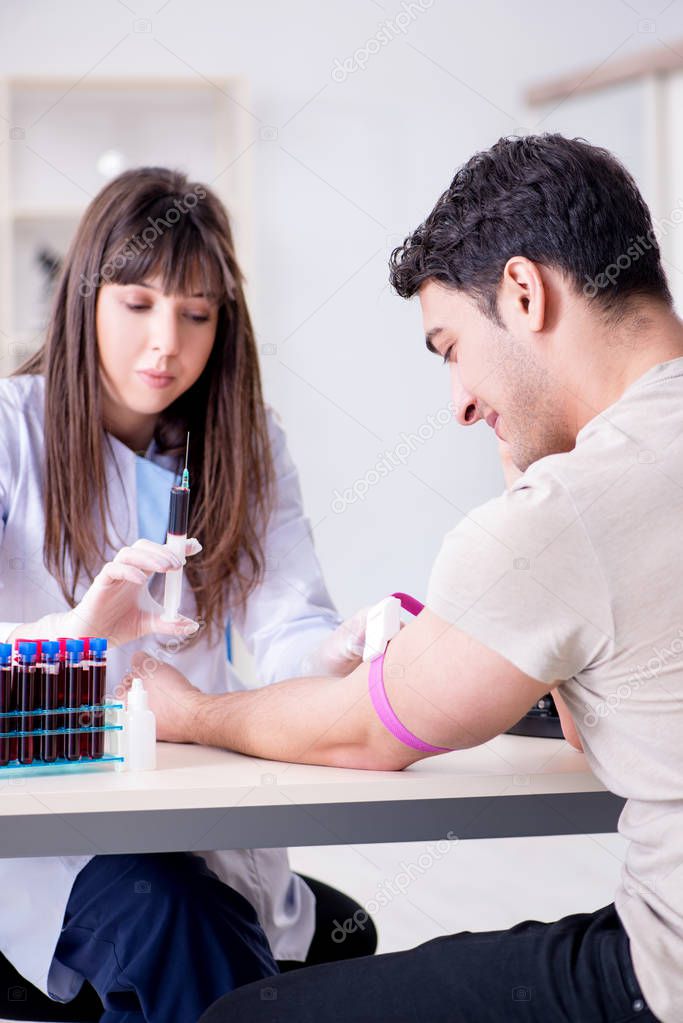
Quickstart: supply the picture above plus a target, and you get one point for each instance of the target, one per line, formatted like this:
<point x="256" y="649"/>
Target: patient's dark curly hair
<point x="560" y="202"/>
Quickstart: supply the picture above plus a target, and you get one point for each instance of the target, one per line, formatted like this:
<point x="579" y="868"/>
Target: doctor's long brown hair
<point x="145" y="222"/>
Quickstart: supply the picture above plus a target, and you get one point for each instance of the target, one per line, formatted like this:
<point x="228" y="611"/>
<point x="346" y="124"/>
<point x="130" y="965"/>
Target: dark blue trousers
<point x="160" y="937"/>
<point x="576" y="970"/>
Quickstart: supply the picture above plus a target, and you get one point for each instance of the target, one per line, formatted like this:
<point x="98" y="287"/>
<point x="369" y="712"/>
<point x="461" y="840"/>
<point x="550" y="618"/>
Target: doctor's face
<point x="494" y="376"/>
<point x="152" y="347"/>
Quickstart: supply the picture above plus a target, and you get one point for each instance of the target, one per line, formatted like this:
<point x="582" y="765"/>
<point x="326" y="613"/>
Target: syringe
<point x="176" y="538"/>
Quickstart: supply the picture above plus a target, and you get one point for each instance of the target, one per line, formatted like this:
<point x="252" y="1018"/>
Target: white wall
<point x="353" y="167"/>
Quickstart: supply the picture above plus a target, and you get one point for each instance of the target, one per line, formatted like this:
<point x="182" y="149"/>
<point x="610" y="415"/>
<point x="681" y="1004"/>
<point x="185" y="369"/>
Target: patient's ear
<point x="522" y="295"/>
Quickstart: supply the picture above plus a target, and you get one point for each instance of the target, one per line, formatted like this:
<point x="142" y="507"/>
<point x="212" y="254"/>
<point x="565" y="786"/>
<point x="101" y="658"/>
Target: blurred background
<point x="329" y="130"/>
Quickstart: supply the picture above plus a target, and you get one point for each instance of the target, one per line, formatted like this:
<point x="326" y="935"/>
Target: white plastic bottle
<point x="140" y="730"/>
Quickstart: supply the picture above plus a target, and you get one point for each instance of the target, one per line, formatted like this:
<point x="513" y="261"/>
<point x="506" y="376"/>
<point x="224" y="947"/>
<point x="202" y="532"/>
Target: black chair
<point x="22" y="1001"/>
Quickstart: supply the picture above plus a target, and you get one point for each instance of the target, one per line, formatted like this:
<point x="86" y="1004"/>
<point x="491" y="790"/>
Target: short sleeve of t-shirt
<point x="520" y="575"/>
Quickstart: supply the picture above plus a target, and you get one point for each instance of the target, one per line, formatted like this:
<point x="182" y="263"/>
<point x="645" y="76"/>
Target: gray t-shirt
<point x="576" y="573"/>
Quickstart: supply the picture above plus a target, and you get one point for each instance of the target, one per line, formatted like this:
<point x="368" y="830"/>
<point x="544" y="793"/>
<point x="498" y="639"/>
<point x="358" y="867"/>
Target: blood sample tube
<point x="85" y="717"/>
<point x="7" y="702"/>
<point x="49" y="698"/>
<point x="14" y="741"/>
<point x="97" y="692"/>
<point x="26" y="698"/>
<point x="72" y="678"/>
<point x="61" y="720"/>
<point x="38" y="693"/>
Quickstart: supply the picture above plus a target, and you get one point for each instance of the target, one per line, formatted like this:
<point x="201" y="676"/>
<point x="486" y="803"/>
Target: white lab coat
<point x="286" y="617"/>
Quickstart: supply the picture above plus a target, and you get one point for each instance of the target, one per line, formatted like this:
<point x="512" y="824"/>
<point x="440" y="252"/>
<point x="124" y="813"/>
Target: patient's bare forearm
<point x="304" y="720"/>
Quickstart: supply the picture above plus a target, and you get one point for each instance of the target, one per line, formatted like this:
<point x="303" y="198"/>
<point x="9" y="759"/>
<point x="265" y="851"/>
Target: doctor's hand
<point x="118" y="605"/>
<point x="341" y="651"/>
<point x="170" y="696"/>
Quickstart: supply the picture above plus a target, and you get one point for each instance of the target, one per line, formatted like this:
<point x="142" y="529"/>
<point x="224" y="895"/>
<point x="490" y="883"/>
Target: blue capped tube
<point x="7" y="703"/>
<point x="97" y="693"/>
<point x="49" y="699"/>
<point x="73" y="697"/>
<point x="26" y="698"/>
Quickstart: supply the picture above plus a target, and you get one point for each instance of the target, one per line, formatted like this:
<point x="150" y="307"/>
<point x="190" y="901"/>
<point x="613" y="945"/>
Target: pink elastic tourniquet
<point x="379" y="698"/>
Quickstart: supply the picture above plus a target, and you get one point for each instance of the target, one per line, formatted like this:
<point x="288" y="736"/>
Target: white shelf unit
<point x="56" y="131"/>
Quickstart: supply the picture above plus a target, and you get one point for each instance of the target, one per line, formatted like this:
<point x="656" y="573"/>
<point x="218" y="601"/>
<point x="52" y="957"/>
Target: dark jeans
<point x="577" y="970"/>
<point x="160" y="937"/>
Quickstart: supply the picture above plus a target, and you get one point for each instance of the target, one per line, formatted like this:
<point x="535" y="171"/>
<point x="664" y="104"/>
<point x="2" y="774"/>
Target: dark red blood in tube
<point x="61" y="720"/>
<point x="72" y="678"/>
<point x="7" y="703"/>
<point x="85" y="718"/>
<point x="39" y="720"/>
<point x="49" y="699"/>
<point x="26" y="674"/>
<point x="97" y="692"/>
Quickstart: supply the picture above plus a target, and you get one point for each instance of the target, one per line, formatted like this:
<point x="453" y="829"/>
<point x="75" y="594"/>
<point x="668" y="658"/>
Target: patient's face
<point x="496" y="377"/>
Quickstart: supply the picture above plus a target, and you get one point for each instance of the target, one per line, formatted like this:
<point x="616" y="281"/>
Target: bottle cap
<point x="36" y="642"/>
<point x="50" y="649"/>
<point x="98" y="645"/>
<point x="28" y="650"/>
<point x="85" y="640"/>
<point x="5" y="653"/>
<point x="74" y="649"/>
<point x="137" y="696"/>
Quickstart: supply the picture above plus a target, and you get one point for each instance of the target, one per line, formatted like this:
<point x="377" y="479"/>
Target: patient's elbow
<point x="368" y="758"/>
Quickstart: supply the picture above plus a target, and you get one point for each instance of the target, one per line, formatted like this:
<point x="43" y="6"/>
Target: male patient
<point x="541" y="285"/>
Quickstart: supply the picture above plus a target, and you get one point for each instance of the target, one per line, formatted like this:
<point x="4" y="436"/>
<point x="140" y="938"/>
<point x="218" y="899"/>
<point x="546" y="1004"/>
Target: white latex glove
<point x="341" y="651"/>
<point x="118" y="605"/>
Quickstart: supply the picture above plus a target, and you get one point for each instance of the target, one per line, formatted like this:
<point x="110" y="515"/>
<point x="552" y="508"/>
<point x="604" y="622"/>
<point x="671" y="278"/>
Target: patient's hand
<point x="171" y="696"/>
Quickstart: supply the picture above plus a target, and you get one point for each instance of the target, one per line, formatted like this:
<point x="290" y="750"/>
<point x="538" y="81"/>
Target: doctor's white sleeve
<point x="9" y="470"/>
<point x="290" y="612"/>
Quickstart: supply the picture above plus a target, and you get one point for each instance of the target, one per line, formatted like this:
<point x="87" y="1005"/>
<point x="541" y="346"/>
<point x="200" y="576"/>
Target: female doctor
<point x="150" y="337"/>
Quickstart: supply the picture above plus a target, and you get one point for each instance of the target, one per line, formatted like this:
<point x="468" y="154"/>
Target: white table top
<point x="237" y="801"/>
<point x="201" y="776"/>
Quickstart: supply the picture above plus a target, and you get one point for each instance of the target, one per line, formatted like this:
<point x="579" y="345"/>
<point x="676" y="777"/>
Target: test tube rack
<point x="54" y="714"/>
